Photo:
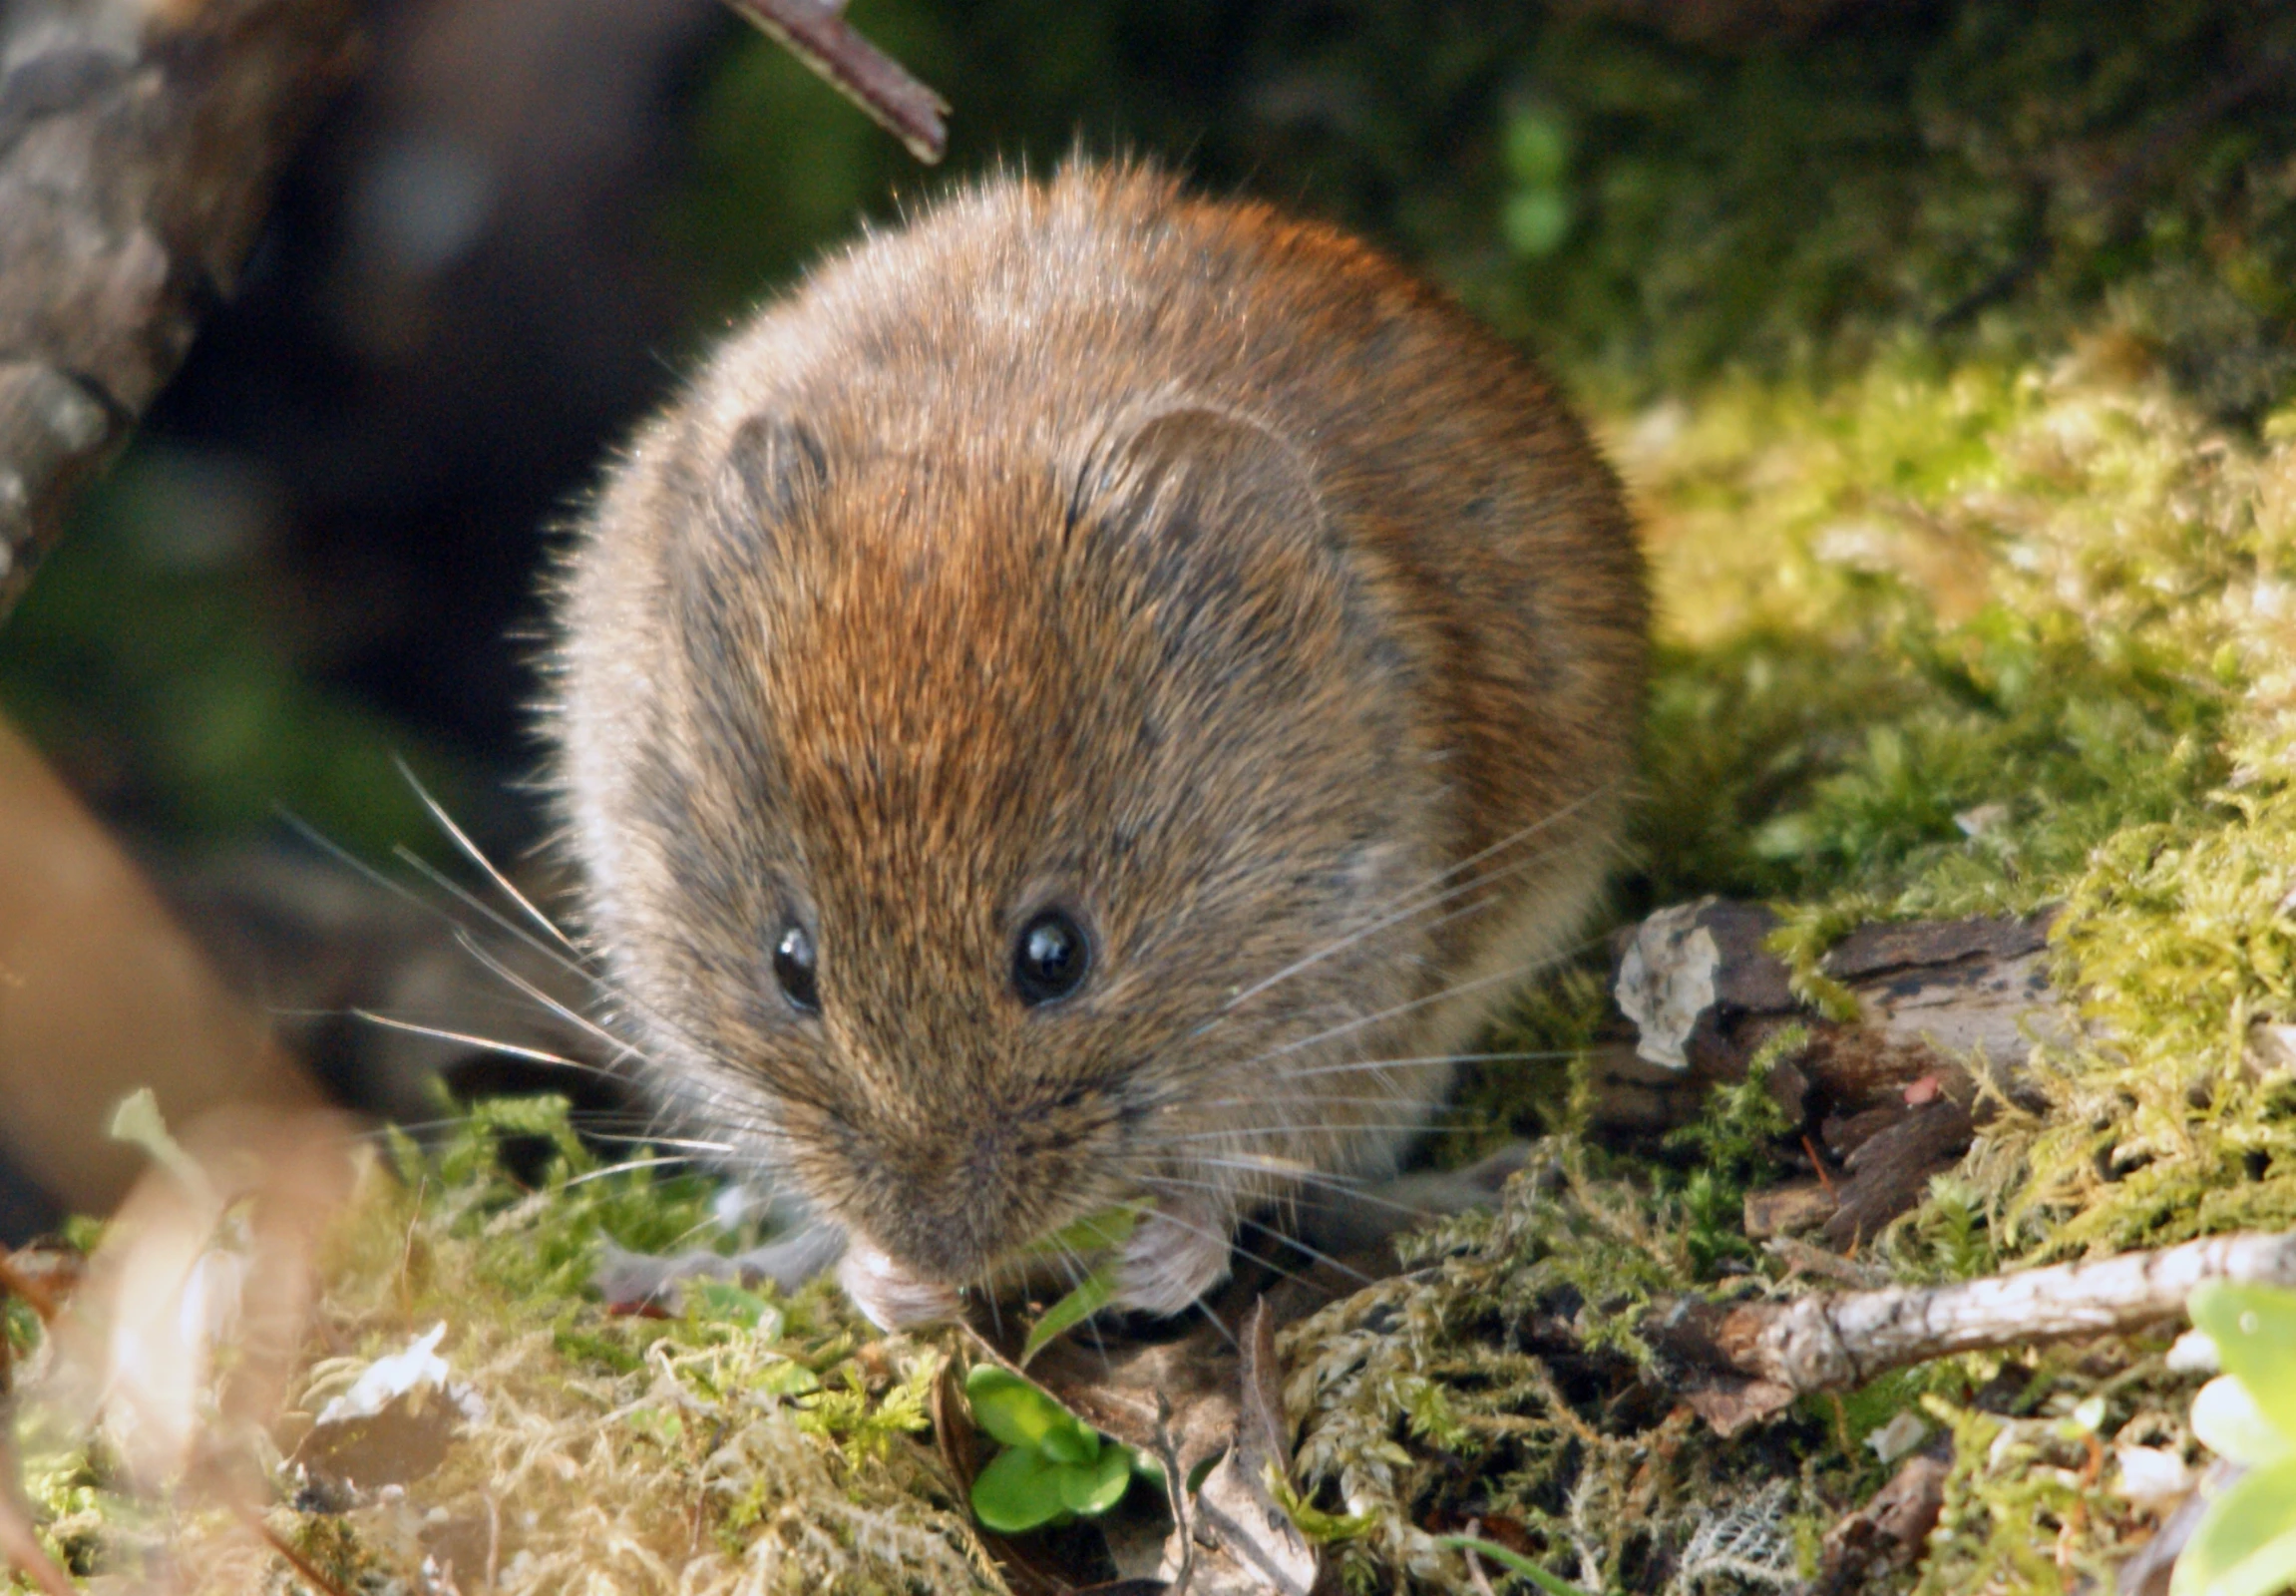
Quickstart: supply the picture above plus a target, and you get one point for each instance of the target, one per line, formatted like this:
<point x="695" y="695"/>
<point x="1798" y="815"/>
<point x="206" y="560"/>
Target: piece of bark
<point x="1781" y="1210"/>
<point x="1800" y="1257"/>
<point x="1889" y="1531"/>
<point x="137" y="149"/>
<point x="1735" y="1364"/>
<point x="1889" y="1171"/>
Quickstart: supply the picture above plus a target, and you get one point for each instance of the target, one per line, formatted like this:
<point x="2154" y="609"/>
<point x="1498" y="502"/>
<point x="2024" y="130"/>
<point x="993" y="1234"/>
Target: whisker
<point x="1422" y="901"/>
<point x="1340" y="1186"/>
<point x="597" y="982"/>
<point x="465" y="940"/>
<point x="622" y="1168"/>
<point x="1314" y="1128"/>
<point x="621" y="1047"/>
<point x="1299" y="1102"/>
<point x="574" y="965"/>
<point x="1514" y="972"/>
<point x="1072" y="1265"/>
<point x="641" y="1139"/>
<point x="1325" y="1259"/>
<point x="508" y="1050"/>
<point x="472" y="851"/>
<point x="1225" y="1240"/>
<point x="1551" y="1056"/>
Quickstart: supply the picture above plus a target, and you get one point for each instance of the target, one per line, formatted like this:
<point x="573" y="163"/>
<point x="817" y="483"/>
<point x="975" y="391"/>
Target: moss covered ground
<point x="1949" y="363"/>
<point x="1933" y="639"/>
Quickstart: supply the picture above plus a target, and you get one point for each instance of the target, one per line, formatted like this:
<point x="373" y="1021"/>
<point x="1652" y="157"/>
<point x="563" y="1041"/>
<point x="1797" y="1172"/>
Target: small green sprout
<point x="1099" y="1234"/>
<point x="2246" y="1543"/>
<point x="1054" y="1467"/>
<point x="1515" y="1562"/>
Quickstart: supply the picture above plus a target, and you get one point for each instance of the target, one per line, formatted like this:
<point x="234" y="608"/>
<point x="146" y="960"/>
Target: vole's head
<point x="946" y="811"/>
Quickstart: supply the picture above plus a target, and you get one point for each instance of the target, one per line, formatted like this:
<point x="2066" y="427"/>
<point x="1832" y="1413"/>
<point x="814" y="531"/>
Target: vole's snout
<point x="950" y="1204"/>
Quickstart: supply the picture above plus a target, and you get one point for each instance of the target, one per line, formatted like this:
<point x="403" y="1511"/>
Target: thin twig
<point x="1475" y="1574"/>
<point x="280" y="1544"/>
<point x="1737" y="1364"/>
<point x="818" y="35"/>
<point x="1175" y="1488"/>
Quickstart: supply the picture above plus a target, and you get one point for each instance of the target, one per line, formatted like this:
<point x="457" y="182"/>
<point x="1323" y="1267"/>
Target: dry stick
<point x="1839" y="1341"/>
<point x="1176" y="1492"/>
<point x="817" y="34"/>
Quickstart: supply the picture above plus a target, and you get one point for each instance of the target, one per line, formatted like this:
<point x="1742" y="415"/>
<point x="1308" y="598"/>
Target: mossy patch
<point x="1932" y="642"/>
<point x="758" y="1443"/>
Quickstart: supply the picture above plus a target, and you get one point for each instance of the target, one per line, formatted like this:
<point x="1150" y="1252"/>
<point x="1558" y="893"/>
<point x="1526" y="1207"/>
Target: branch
<point x="1737" y="1363"/>
<point x="132" y="181"/>
<point x="816" y="32"/>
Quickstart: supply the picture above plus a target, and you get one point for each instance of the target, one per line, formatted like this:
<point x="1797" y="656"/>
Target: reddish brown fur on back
<point x="1084" y="546"/>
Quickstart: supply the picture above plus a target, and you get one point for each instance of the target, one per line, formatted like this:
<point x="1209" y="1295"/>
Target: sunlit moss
<point x="1931" y="644"/>
<point x="756" y="1444"/>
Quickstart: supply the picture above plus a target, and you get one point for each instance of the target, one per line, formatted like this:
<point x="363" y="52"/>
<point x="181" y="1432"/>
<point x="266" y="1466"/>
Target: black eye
<point x="1050" y="959"/>
<point x="793" y="968"/>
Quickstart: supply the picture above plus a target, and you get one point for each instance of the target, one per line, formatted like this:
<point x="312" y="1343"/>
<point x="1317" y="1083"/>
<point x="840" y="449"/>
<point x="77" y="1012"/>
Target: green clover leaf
<point x="2254" y="1329"/>
<point x="1054" y="1467"/>
<point x="2246" y="1546"/>
<point x="1017" y="1491"/>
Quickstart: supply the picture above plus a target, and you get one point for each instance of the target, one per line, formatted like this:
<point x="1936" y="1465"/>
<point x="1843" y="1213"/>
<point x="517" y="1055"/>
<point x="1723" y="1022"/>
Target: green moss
<point x="1932" y="643"/>
<point x="1420" y="1395"/>
<point x="758" y="1442"/>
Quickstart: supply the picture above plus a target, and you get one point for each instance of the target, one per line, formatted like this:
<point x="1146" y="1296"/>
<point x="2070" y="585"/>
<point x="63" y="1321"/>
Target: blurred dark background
<point x="506" y="242"/>
<point x="322" y="555"/>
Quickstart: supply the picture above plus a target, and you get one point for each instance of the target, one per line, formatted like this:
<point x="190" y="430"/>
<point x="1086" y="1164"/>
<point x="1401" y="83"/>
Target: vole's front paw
<point x="1173" y="1259"/>
<point x="893" y="1298"/>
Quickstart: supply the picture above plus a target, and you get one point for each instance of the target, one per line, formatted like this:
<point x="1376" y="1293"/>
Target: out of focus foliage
<point x="1653" y="195"/>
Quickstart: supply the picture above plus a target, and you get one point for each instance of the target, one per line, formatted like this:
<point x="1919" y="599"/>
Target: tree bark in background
<point x="137" y="148"/>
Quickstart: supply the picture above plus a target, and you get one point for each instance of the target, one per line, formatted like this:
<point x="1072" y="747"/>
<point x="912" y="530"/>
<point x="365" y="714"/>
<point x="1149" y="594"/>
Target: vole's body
<point x="1186" y="570"/>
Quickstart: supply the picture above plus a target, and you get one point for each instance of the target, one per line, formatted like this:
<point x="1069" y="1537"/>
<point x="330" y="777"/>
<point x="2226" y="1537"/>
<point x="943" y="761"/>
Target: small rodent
<point x="1090" y="698"/>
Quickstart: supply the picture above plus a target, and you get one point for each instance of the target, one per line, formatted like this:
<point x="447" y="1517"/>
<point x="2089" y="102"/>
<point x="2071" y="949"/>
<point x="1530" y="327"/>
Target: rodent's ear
<point x="773" y="467"/>
<point x="1185" y="471"/>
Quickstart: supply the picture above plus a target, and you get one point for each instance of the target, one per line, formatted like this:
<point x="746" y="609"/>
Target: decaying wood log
<point x="1701" y="993"/>
<point x="137" y="147"/>
<point x="1946" y="1013"/>
<point x="1735" y="1364"/>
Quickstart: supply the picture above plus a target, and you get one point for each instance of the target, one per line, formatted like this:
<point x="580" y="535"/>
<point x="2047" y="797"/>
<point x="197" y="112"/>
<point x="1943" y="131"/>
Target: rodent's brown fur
<point x="1084" y="542"/>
